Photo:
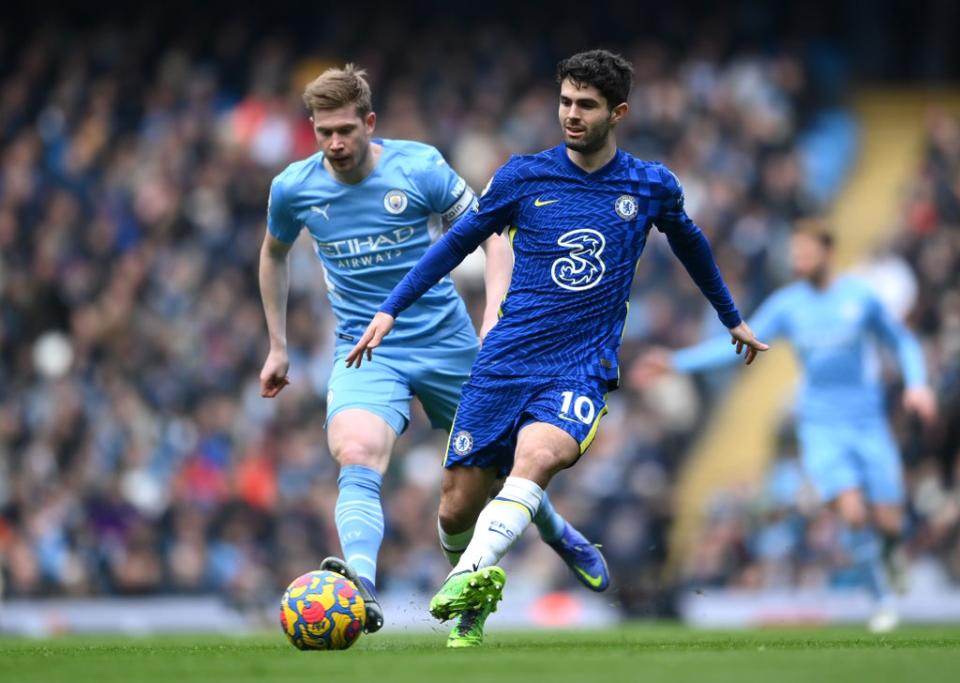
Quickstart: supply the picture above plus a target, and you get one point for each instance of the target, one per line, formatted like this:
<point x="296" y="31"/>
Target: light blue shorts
<point x="386" y="385"/>
<point x="861" y="455"/>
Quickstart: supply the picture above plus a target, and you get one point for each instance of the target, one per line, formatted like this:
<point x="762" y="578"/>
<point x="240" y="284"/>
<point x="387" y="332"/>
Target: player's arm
<point x="274" y="276"/>
<point x="445" y="255"/>
<point x="691" y="247"/>
<point x="918" y="397"/>
<point x="496" y="279"/>
<point x="440" y="185"/>
<point x="488" y="215"/>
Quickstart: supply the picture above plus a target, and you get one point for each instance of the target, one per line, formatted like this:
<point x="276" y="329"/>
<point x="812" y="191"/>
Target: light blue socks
<point x="359" y="518"/>
<point x="863" y="547"/>
<point x="548" y="521"/>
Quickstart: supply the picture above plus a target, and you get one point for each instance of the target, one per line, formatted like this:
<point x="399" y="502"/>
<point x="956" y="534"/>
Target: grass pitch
<point x="633" y="653"/>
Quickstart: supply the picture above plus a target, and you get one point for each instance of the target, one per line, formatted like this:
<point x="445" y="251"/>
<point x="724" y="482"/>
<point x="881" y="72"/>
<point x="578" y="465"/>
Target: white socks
<point x="454" y="544"/>
<point x="500" y="524"/>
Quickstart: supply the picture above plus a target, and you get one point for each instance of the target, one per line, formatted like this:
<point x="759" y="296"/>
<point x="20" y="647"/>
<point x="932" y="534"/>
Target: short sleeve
<point x="446" y="192"/>
<point x="280" y="222"/>
<point x="495" y="206"/>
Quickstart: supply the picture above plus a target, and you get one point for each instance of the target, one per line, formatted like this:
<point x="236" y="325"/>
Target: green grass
<point x="634" y="653"/>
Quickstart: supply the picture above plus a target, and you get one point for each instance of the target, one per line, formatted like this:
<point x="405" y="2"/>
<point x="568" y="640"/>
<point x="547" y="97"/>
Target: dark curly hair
<point x="607" y="71"/>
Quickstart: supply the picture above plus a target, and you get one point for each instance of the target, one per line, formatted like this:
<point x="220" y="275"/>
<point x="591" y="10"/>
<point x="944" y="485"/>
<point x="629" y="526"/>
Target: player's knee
<point x="359" y="453"/>
<point x="542" y="462"/>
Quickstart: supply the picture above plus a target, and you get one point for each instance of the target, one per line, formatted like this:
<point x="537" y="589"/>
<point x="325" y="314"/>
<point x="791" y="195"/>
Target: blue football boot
<point x="584" y="559"/>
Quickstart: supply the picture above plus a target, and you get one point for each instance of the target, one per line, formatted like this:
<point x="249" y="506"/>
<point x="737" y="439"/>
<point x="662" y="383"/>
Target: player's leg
<point x="888" y="518"/>
<point x="437" y="384"/>
<point x="885" y="493"/>
<point x="562" y="420"/>
<point x="864" y="547"/>
<point x="550" y="524"/>
<point x="830" y="460"/>
<point x="542" y="450"/>
<point x="366" y="412"/>
<point x="861" y="541"/>
<point x="479" y="449"/>
<point x="463" y="495"/>
<point x="361" y="443"/>
<point x="575" y="407"/>
<point x="464" y="492"/>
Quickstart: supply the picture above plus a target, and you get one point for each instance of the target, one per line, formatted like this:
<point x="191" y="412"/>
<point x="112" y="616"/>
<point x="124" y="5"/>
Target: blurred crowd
<point x="776" y="535"/>
<point x="136" y="455"/>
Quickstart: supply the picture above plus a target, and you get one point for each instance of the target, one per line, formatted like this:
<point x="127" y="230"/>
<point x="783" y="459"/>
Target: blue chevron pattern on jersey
<point x="576" y="238"/>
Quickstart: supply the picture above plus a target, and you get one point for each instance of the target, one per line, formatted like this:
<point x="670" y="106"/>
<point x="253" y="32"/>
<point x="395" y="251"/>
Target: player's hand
<point x="650" y="366"/>
<point x="273" y="377"/>
<point x="742" y="336"/>
<point x="922" y="402"/>
<point x="486" y="326"/>
<point x="378" y="328"/>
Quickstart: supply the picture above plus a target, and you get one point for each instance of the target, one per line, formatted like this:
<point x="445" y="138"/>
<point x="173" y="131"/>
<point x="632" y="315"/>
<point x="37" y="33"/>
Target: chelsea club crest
<point x="626" y="207"/>
<point x="462" y="442"/>
<point x="395" y="201"/>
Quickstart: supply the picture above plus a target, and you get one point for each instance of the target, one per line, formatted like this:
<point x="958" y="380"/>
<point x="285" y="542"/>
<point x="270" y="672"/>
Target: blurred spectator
<point x="135" y="453"/>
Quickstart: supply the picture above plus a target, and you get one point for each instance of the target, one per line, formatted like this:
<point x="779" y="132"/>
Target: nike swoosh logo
<point x="540" y="202"/>
<point x="594" y="581"/>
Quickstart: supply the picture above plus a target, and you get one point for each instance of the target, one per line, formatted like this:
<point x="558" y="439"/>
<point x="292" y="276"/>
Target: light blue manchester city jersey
<point x="833" y="332"/>
<point x="370" y="234"/>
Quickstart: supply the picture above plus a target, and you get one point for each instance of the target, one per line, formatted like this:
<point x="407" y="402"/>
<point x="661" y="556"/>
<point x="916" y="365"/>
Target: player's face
<point x="808" y="257"/>
<point x="343" y="136"/>
<point x="585" y="117"/>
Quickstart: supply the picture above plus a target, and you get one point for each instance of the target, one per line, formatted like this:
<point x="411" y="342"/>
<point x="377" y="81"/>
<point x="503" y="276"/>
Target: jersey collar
<point x="561" y="151"/>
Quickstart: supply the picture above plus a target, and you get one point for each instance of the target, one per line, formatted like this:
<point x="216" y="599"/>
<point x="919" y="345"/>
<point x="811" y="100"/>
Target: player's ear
<point x="370" y="122"/>
<point x="619" y="112"/>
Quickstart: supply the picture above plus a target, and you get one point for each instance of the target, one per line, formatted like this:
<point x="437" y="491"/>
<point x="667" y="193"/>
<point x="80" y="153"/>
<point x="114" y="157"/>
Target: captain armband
<point x="459" y="207"/>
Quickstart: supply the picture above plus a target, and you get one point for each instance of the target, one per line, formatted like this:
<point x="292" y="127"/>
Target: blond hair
<point x="336" y="88"/>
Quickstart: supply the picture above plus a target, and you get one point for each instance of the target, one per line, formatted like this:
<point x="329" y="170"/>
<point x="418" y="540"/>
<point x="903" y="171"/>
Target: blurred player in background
<point x="373" y="207"/>
<point x="847" y="449"/>
<point x="578" y="216"/>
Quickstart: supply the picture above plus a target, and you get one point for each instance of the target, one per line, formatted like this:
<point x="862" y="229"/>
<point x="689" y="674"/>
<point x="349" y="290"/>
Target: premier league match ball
<point x="322" y="611"/>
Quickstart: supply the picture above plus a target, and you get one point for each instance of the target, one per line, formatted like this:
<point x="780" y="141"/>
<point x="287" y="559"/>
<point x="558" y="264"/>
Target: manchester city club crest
<point x="462" y="442"/>
<point x="395" y="201"/>
<point x="626" y="207"/>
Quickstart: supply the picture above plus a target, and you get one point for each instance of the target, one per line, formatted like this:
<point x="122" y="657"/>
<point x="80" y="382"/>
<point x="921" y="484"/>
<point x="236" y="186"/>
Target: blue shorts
<point x="861" y="455"/>
<point x="493" y="411"/>
<point x="386" y="385"/>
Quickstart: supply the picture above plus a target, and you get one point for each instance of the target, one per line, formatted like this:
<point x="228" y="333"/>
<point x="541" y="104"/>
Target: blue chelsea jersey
<point x="369" y="235"/>
<point x="577" y="237"/>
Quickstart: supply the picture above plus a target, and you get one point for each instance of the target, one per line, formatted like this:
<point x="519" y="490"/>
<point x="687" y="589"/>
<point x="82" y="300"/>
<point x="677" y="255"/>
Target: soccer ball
<point x="322" y="611"/>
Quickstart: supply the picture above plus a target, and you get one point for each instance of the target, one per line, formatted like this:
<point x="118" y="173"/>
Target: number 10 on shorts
<point x="583" y="408"/>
